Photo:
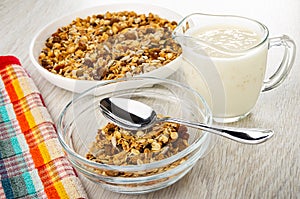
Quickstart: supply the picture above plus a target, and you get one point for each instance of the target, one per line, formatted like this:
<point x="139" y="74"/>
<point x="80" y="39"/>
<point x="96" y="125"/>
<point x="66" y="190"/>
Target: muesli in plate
<point x="107" y="42"/>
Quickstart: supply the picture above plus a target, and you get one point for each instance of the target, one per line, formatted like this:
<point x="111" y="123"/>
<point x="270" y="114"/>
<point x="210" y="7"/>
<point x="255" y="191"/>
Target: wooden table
<point x="231" y="170"/>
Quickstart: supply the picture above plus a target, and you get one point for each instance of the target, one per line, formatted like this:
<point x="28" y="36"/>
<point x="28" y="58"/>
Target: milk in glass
<point x="239" y="56"/>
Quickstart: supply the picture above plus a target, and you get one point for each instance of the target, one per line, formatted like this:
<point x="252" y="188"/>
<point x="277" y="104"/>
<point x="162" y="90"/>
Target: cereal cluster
<point x="110" y="46"/>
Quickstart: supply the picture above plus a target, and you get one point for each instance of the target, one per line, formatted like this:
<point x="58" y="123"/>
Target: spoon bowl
<point x="134" y="115"/>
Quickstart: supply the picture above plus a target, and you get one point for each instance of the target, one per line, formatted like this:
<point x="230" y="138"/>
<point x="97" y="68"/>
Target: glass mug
<point x="230" y="78"/>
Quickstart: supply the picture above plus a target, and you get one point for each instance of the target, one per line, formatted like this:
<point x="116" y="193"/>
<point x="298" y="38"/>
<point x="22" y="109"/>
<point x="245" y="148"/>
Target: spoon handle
<point x="242" y="135"/>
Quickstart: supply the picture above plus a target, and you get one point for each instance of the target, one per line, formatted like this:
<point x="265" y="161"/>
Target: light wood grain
<point x="230" y="170"/>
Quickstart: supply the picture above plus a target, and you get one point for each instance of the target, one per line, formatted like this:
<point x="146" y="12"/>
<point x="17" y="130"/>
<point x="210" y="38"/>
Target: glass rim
<point x="264" y="38"/>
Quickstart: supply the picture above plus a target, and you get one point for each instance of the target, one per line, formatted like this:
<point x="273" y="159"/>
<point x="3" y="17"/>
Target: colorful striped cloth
<point x="32" y="162"/>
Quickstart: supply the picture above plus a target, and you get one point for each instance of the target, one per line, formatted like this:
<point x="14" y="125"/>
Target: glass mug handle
<point x="286" y="64"/>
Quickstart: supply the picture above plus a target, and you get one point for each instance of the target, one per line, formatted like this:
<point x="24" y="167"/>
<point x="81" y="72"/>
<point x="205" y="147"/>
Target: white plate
<point x="80" y="85"/>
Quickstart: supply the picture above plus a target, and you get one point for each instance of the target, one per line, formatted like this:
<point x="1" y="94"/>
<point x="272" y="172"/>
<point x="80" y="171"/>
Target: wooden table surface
<point x="230" y="170"/>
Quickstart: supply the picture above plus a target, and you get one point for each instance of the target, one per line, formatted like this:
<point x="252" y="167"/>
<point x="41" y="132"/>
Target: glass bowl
<point x="80" y="121"/>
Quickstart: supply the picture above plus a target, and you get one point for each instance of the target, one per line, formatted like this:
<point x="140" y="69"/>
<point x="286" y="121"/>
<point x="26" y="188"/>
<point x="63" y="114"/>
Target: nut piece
<point x="163" y="138"/>
<point x="174" y="135"/>
<point x="155" y="146"/>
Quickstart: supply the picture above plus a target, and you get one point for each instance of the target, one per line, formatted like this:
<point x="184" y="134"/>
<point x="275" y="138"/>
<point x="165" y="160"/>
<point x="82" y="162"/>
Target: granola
<point x="110" y="46"/>
<point x="117" y="146"/>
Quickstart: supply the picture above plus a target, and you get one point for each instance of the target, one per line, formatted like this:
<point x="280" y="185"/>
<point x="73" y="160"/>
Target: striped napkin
<point x="32" y="162"/>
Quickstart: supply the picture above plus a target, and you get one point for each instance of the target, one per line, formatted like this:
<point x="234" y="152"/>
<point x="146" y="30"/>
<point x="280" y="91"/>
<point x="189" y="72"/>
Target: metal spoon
<point x="134" y="115"/>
